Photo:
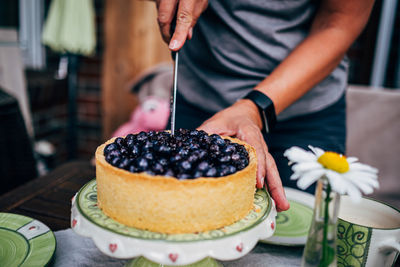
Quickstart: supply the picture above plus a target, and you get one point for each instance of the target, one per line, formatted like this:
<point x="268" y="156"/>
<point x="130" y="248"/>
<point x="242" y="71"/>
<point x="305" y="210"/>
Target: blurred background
<point x="61" y="98"/>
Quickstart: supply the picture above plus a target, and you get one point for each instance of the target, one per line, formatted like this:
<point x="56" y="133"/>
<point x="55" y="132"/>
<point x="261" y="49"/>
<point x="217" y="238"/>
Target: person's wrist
<point x="265" y="107"/>
<point x="252" y="111"/>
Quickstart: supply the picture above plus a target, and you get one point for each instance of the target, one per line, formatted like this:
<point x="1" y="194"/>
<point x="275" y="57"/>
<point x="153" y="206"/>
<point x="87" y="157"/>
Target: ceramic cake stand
<point x="157" y="249"/>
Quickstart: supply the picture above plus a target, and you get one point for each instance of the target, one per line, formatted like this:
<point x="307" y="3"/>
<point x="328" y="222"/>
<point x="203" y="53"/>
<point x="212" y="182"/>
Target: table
<point x="48" y="199"/>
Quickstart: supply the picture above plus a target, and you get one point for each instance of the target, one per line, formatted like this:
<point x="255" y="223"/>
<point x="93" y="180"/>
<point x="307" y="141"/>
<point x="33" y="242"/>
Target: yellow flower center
<point x="334" y="161"/>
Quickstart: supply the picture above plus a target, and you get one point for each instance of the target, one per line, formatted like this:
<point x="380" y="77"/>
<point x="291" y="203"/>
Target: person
<point x="292" y="53"/>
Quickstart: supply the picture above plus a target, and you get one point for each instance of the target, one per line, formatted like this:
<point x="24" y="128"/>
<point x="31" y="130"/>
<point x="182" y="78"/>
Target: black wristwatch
<point x="265" y="107"/>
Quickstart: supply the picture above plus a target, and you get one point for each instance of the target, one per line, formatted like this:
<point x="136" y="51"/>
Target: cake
<point x="185" y="183"/>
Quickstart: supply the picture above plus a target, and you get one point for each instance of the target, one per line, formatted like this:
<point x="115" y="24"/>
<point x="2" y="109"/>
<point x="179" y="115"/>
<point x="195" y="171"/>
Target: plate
<point x="120" y="241"/>
<point x="292" y="225"/>
<point x="87" y="205"/>
<point x="25" y="241"/>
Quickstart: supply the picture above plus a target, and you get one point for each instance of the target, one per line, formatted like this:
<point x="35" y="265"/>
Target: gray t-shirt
<point x="237" y="43"/>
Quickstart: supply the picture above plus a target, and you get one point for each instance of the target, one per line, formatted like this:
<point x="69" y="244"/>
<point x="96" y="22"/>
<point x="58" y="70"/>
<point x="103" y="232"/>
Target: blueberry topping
<point x="211" y="172"/>
<point x="186" y="155"/>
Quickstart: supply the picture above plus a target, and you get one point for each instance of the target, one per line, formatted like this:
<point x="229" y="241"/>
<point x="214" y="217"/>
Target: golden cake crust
<point x="169" y="205"/>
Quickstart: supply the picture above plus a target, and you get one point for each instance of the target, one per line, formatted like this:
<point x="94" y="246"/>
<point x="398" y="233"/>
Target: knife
<point x="175" y="55"/>
<point x="173" y="96"/>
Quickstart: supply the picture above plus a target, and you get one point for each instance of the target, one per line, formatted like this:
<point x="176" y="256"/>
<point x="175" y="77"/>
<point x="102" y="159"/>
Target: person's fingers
<point x="251" y="134"/>
<point x="184" y="19"/>
<point x="212" y="127"/>
<point x="190" y="34"/>
<point x="274" y="184"/>
<point x="166" y="11"/>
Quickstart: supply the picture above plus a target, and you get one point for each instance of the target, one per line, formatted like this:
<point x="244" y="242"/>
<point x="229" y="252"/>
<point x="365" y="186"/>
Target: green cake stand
<point x="147" y="248"/>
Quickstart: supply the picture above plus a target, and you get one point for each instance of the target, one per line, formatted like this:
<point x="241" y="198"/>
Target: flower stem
<point x="325" y="248"/>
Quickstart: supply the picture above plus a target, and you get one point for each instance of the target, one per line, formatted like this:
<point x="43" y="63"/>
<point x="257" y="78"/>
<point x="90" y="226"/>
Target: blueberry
<point x="198" y="174"/>
<point x="224" y="159"/>
<point x="129" y="137"/>
<point x="115" y="161"/>
<point x="211" y="172"/>
<point x="232" y="169"/>
<point x="229" y="149"/>
<point x="193" y="158"/>
<point x="235" y="157"/>
<point x="193" y="133"/>
<point x="109" y="158"/>
<point x="115" y="153"/>
<point x="163" y="162"/>
<point x="124" y="151"/>
<point x="224" y="170"/>
<point x="244" y="160"/>
<point x="183" y="152"/>
<point x="150" y="172"/>
<point x="202" y="153"/>
<point x="142" y="163"/>
<point x="183" y="176"/>
<point x="169" y="172"/>
<point x="183" y="131"/>
<point x="163" y="149"/>
<point x="176" y="158"/>
<point x="148" y="145"/>
<point x="142" y="136"/>
<point x="203" y="166"/>
<point x="130" y="142"/>
<point x="133" y="168"/>
<point x="158" y="168"/>
<point x="149" y="156"/>
<point x="193" y="146"/>
<point x="185" y="165"/>
<point x="220" y="142"/>
<point x="206" y="139"/>
<point x="119" y="141"/>
<point x="214" y="148"/>
<point x="124" y="164"/>
<point x="110" y="147"/>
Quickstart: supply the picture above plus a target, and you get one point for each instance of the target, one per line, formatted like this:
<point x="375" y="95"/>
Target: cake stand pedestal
<point x="157" y="249"/>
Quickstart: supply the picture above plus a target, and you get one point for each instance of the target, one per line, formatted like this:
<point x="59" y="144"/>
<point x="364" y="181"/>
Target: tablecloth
<point x="74" y="250"/>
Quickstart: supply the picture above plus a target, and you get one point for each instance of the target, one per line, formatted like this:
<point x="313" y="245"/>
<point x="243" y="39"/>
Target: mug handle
<point x="389" y="245"/>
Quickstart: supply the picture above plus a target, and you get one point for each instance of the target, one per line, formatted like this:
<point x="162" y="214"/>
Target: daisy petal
<point x="295" y="176"/>
<point x="363" y="167"/>
<point x="336" y="181"/>
<point x="297" y="154"/>
<point x="352" y="160"/>
<point x="317" y="151"/>
<point x="309" y="178"/>
<point x="353" y="192"/>
<point x="306" y="166"/>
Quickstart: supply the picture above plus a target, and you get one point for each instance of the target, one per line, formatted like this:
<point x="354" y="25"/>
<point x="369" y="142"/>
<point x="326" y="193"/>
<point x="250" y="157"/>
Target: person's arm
<point x="335" y="27"/>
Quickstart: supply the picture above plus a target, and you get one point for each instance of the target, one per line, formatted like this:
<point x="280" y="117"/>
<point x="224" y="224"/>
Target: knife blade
<point x="173" y="95"/>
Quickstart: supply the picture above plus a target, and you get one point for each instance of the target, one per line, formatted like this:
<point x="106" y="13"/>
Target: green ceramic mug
<point x="368" y="233"/>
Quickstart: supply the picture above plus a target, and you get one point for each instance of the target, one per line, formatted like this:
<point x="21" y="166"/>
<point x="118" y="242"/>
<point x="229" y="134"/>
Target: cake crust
<point x="169" y="205"/>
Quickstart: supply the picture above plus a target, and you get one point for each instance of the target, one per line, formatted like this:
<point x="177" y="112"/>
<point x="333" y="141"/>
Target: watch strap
<point x="266" y="108"/>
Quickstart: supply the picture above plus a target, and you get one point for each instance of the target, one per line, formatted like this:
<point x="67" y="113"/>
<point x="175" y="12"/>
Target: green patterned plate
<point x="24" y="241"/>
<point x="87" y="205"/>
<point x="292" y="225"/>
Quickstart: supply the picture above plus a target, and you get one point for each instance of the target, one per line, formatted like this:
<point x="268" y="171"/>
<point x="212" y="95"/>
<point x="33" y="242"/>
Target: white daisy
<point x="345" y="175"/>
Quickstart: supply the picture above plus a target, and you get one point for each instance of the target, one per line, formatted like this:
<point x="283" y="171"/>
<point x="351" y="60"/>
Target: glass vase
<point x="320" y="249"/>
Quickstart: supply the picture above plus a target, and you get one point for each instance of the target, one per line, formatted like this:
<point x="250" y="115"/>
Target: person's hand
<point x="187" y="12"/>
<point x="243" y="121"/>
